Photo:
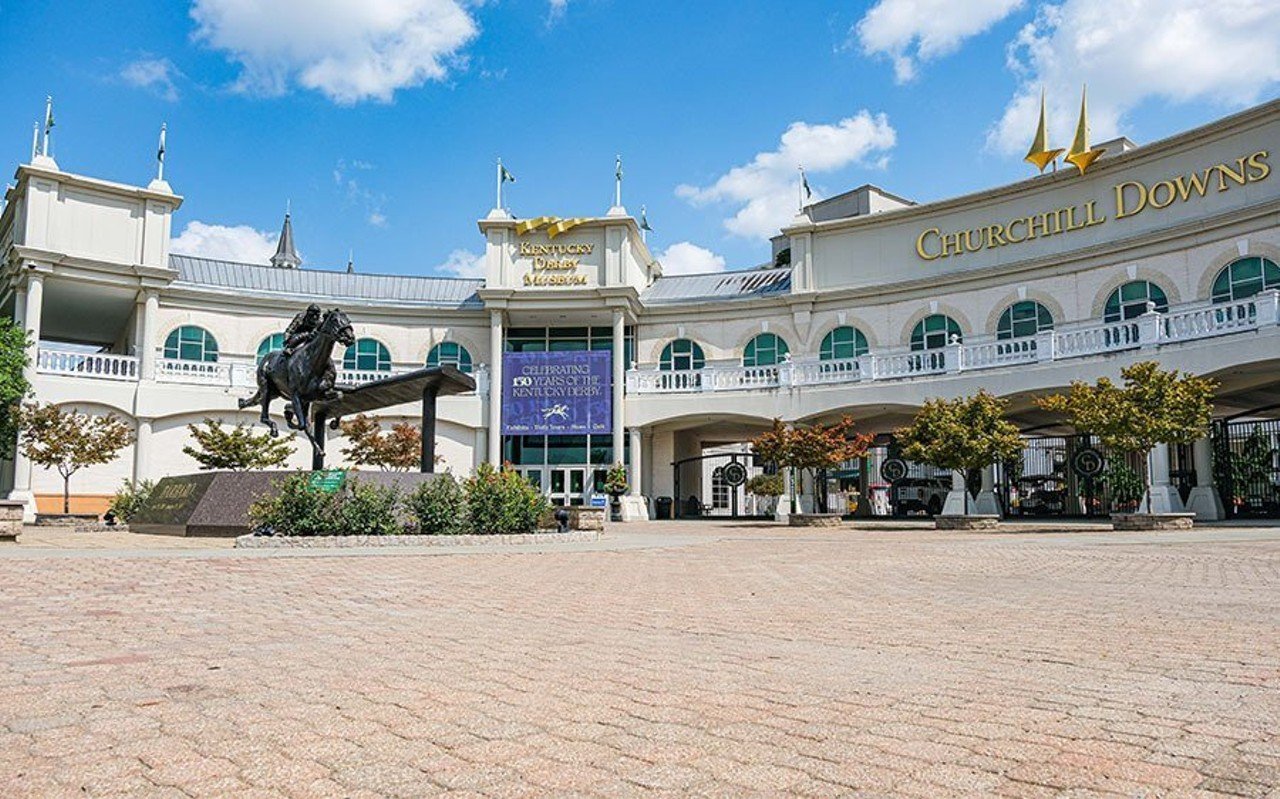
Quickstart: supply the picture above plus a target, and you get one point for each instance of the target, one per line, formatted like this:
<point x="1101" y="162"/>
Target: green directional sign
<point x="328" y="481"/>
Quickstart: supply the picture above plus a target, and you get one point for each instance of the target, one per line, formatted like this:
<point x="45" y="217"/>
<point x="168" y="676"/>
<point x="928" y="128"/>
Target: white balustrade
<point x="988" y="354"/>
<point x="1109" y="337"/>
<point x="208" y="373"/>
<point x="1209" y="320"/>
<point x="101" y="365"/>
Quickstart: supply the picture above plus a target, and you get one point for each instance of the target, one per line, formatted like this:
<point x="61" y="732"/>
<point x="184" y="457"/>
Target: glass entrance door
<point x="568" y="486"/>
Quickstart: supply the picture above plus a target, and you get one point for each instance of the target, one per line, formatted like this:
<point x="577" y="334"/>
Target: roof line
<point x="330" y="271"/>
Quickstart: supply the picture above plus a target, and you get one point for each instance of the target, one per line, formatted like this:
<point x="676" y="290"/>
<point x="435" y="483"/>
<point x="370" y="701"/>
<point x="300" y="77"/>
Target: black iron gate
<point x="1246" y="467"/>
<point x="713" y="485"/>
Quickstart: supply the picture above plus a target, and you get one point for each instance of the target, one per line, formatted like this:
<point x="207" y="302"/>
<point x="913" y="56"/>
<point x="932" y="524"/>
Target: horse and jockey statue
<point x="302" y="372"/>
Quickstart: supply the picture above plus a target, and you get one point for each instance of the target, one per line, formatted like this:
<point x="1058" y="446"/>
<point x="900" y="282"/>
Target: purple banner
<point x="557" y="393"/>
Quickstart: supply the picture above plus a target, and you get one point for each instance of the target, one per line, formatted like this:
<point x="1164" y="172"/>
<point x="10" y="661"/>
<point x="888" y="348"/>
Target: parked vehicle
<point x="920" y="495"/>
<point x="1040" y="495"/>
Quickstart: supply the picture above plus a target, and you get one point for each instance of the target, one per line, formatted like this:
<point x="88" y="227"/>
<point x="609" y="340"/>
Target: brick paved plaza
<point x="669" y="660"/>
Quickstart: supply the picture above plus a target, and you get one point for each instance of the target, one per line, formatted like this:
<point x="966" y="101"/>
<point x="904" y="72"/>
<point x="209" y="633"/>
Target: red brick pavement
<point x="764" y="663"/>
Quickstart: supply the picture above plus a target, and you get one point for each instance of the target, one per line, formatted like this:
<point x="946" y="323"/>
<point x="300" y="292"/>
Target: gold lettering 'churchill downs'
<point x="1131" y="197"/>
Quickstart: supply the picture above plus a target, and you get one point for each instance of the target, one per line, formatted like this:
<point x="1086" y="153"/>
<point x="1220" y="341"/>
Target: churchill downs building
<point x="585" y="354"/>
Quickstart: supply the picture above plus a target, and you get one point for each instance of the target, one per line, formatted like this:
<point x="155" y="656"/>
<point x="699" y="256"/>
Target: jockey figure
<point x="302" y="329"/>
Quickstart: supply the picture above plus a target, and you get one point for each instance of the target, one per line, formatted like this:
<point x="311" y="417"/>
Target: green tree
<point x="236" y="448"/>
<point x="14" y="358"/>
<point x="811" y="449"/>
<point x="1154" y="406"/>
<point x="69" y="440"/>
<point x="966" y="434"/>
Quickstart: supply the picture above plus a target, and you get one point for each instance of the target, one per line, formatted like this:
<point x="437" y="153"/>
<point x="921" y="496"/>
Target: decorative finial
<point x="160" y="152"/>
<point x="1040" y="154"/>
<point x="286" y="256"/>
<point x="1080" y="154"/>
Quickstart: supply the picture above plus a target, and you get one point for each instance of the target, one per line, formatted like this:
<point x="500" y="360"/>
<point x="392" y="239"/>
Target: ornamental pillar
<point x="1164" y="497"/>
<point x="495" y="387"/>
<point x="149" y="309"/>
<point x="1205" y="501"/>
<point x="619" y="379"/>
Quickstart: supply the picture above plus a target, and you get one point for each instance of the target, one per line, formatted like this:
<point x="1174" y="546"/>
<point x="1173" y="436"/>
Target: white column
<point x="1164" y="497"/>
<point x="956" y="504"/>
<point x="495" y="387"/>
<point x="987" y="504"/>
<point x="637" y="462"/>
<point x="1205" y="501"/>
<point x="619" y="377"/>
<point x="32" y="309"/>
<point x="142" y="451"/>
<point x="146" y="344"/>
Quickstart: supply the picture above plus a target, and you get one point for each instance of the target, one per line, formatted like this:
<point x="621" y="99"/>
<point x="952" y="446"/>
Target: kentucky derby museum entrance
<point x="558" y="402"/>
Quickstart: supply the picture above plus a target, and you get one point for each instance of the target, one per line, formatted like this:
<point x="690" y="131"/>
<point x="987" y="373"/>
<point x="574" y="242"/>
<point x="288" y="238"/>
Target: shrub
<point x="131" y="498"/>
<point x="501" y="501"/>
<point x="439" y="506"/>
<point x="296" y="509"/>
<point x="766" y="485"/>
<point x="368" y="509"/>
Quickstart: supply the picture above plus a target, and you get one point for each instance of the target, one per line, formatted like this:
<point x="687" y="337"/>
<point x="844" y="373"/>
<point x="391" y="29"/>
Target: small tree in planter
<point x="69" y="441"/>
<point x="811" y="449"/>
<point x="396" y="450"/>
<point x="1154" y="406"/>
<point x="966" y="434"/>
<point x="770" y="486"/>
<point x="615" y="485"/>
<point x="237" y="448"/>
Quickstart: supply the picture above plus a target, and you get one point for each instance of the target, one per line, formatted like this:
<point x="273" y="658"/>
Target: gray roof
<point x="441" y="292"/>
<point x="718" y="286"/>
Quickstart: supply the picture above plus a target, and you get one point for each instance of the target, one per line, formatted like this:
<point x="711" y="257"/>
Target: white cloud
<point x="463" y="263"/>
<point x="157" y="75"/>
<point x="349" y="50"/>
<point x="766" y="187"/>
<point x="1220" y="51"/>
<point x="238" y="243"/>
<point x="556" y="9"/>
<point x="913" y="31"/>
<point x="687" y="258"/>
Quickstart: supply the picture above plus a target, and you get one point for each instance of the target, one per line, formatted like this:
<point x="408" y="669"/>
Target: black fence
<point x="1246" y="467"/>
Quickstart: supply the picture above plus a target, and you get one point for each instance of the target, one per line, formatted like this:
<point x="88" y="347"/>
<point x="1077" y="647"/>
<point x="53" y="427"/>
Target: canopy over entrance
<point x="422" y="384"/>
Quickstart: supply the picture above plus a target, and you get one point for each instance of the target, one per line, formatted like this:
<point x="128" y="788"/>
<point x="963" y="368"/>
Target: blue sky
<point x="380" y="119"/>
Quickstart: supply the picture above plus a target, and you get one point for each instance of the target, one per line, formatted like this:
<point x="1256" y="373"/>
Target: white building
<point x="870" y="305"/>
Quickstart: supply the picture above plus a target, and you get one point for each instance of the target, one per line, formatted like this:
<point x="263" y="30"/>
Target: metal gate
<point x="1246" y="467"/>
<point x="710" y="486"/>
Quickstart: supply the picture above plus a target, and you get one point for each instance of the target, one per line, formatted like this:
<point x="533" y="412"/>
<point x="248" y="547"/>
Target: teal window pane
<point x="191" y="343"/>
<point x="843" y="343"/>
<point x="766" y="349"/>
<point x="1130" y="301"/>
<point x="367" y="355"/>
<point x="1025" y="318"/>
<point x="681" y="355"/>
<point x="450" y="353"/>
<point x="1244" y="278"/>
<point x="934" y="332"/>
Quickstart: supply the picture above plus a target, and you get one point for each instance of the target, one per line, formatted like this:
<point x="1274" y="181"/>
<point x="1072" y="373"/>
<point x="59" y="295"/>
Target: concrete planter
<point x="1152" y="521"/>
<point x="973" y="521"/>
<point x="814" y="520"/>
<point x="11" y="520"/>
<point x="65" y="519"/>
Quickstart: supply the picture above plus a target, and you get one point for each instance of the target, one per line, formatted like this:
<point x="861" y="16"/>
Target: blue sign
<point x="557" y="393"/>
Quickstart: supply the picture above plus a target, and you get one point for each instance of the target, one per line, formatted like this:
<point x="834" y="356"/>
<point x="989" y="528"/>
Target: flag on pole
<point x="644" y="221"/>
<point x="504" y="175"/>
<point x="804" y="181"/>
<point x="160" y="150"/>
<point x="48" y="115"/>
<point x="618" y="169"/>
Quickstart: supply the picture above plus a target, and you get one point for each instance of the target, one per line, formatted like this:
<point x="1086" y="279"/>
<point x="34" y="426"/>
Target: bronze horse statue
<point x="302" y="377"/>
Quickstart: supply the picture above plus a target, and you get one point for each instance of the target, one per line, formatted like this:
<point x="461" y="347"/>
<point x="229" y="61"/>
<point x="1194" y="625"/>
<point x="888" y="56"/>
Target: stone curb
<point x="348" y="541"/>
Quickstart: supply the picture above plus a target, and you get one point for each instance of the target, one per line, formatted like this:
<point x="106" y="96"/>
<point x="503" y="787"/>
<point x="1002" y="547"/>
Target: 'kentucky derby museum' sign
<point x="557" y="393"/>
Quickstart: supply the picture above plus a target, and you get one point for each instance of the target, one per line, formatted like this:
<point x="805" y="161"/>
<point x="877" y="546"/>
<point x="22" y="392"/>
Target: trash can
<point x="662" y="507"/>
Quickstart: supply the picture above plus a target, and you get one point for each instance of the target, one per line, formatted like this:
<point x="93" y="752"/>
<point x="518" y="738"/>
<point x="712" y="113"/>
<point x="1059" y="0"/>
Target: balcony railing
<point x="86" y="364"/>
<point x="1152" y="329"/>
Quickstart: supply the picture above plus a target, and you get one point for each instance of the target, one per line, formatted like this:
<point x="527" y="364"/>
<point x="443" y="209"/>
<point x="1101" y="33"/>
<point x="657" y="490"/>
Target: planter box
<point x="975" y="521"/>
<point x="349" y="541"/>
<point x="815" y="520"/>
<point x="1152" y="521"/>
<point x="10" y="520"/>
<point x="584" y="518"/>
<point x="65" y="519"/>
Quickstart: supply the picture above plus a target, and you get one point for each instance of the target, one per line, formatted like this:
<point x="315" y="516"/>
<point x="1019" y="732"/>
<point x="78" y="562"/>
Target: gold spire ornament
<point x="1080" y="154"/>
<point x="1040" y="154"/>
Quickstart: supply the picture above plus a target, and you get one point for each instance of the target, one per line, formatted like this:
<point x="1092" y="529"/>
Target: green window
<point x="765" y="349"/>
<point x="191" y="343"/>
<point x="1130" y="301"/>
<point x="1245" y="278"/>
<point x="682" y="355"/>
<point x="842" y="344"/>
<point x="367" y="355"/>
<point x="934" y="332"/>
<point x="1022" y="319"/>
<point x="270" y="344"/>
<point x="450" y="353"/>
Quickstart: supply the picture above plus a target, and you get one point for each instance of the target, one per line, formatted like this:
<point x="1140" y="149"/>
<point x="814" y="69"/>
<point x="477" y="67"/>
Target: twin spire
<point x="1080" y="154"/>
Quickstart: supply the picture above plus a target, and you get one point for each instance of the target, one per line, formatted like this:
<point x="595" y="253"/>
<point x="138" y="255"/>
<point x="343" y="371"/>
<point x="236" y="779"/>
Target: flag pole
<point x="499" y="205"/>
<point x="617" y="191"/>
<point x="160" y="152"/>
<point x="48" y="120"/>
<point x="35" y="139"/>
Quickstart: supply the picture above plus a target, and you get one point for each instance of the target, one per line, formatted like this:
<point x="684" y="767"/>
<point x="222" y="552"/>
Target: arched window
<point x="765" y="349"/>
<point x="270" y="344"/>
<point x="681" y="355"/>
<point x="934" y="332"/>
<point x="843" y="343"/>
<point x="1025" y="318"/>
<point x="191" y="343"/>
<point x="367" y="355"/>
<point x="1130" y="301"/>
<point x="1245" y="278"/>
<point x="450" y="353"/>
